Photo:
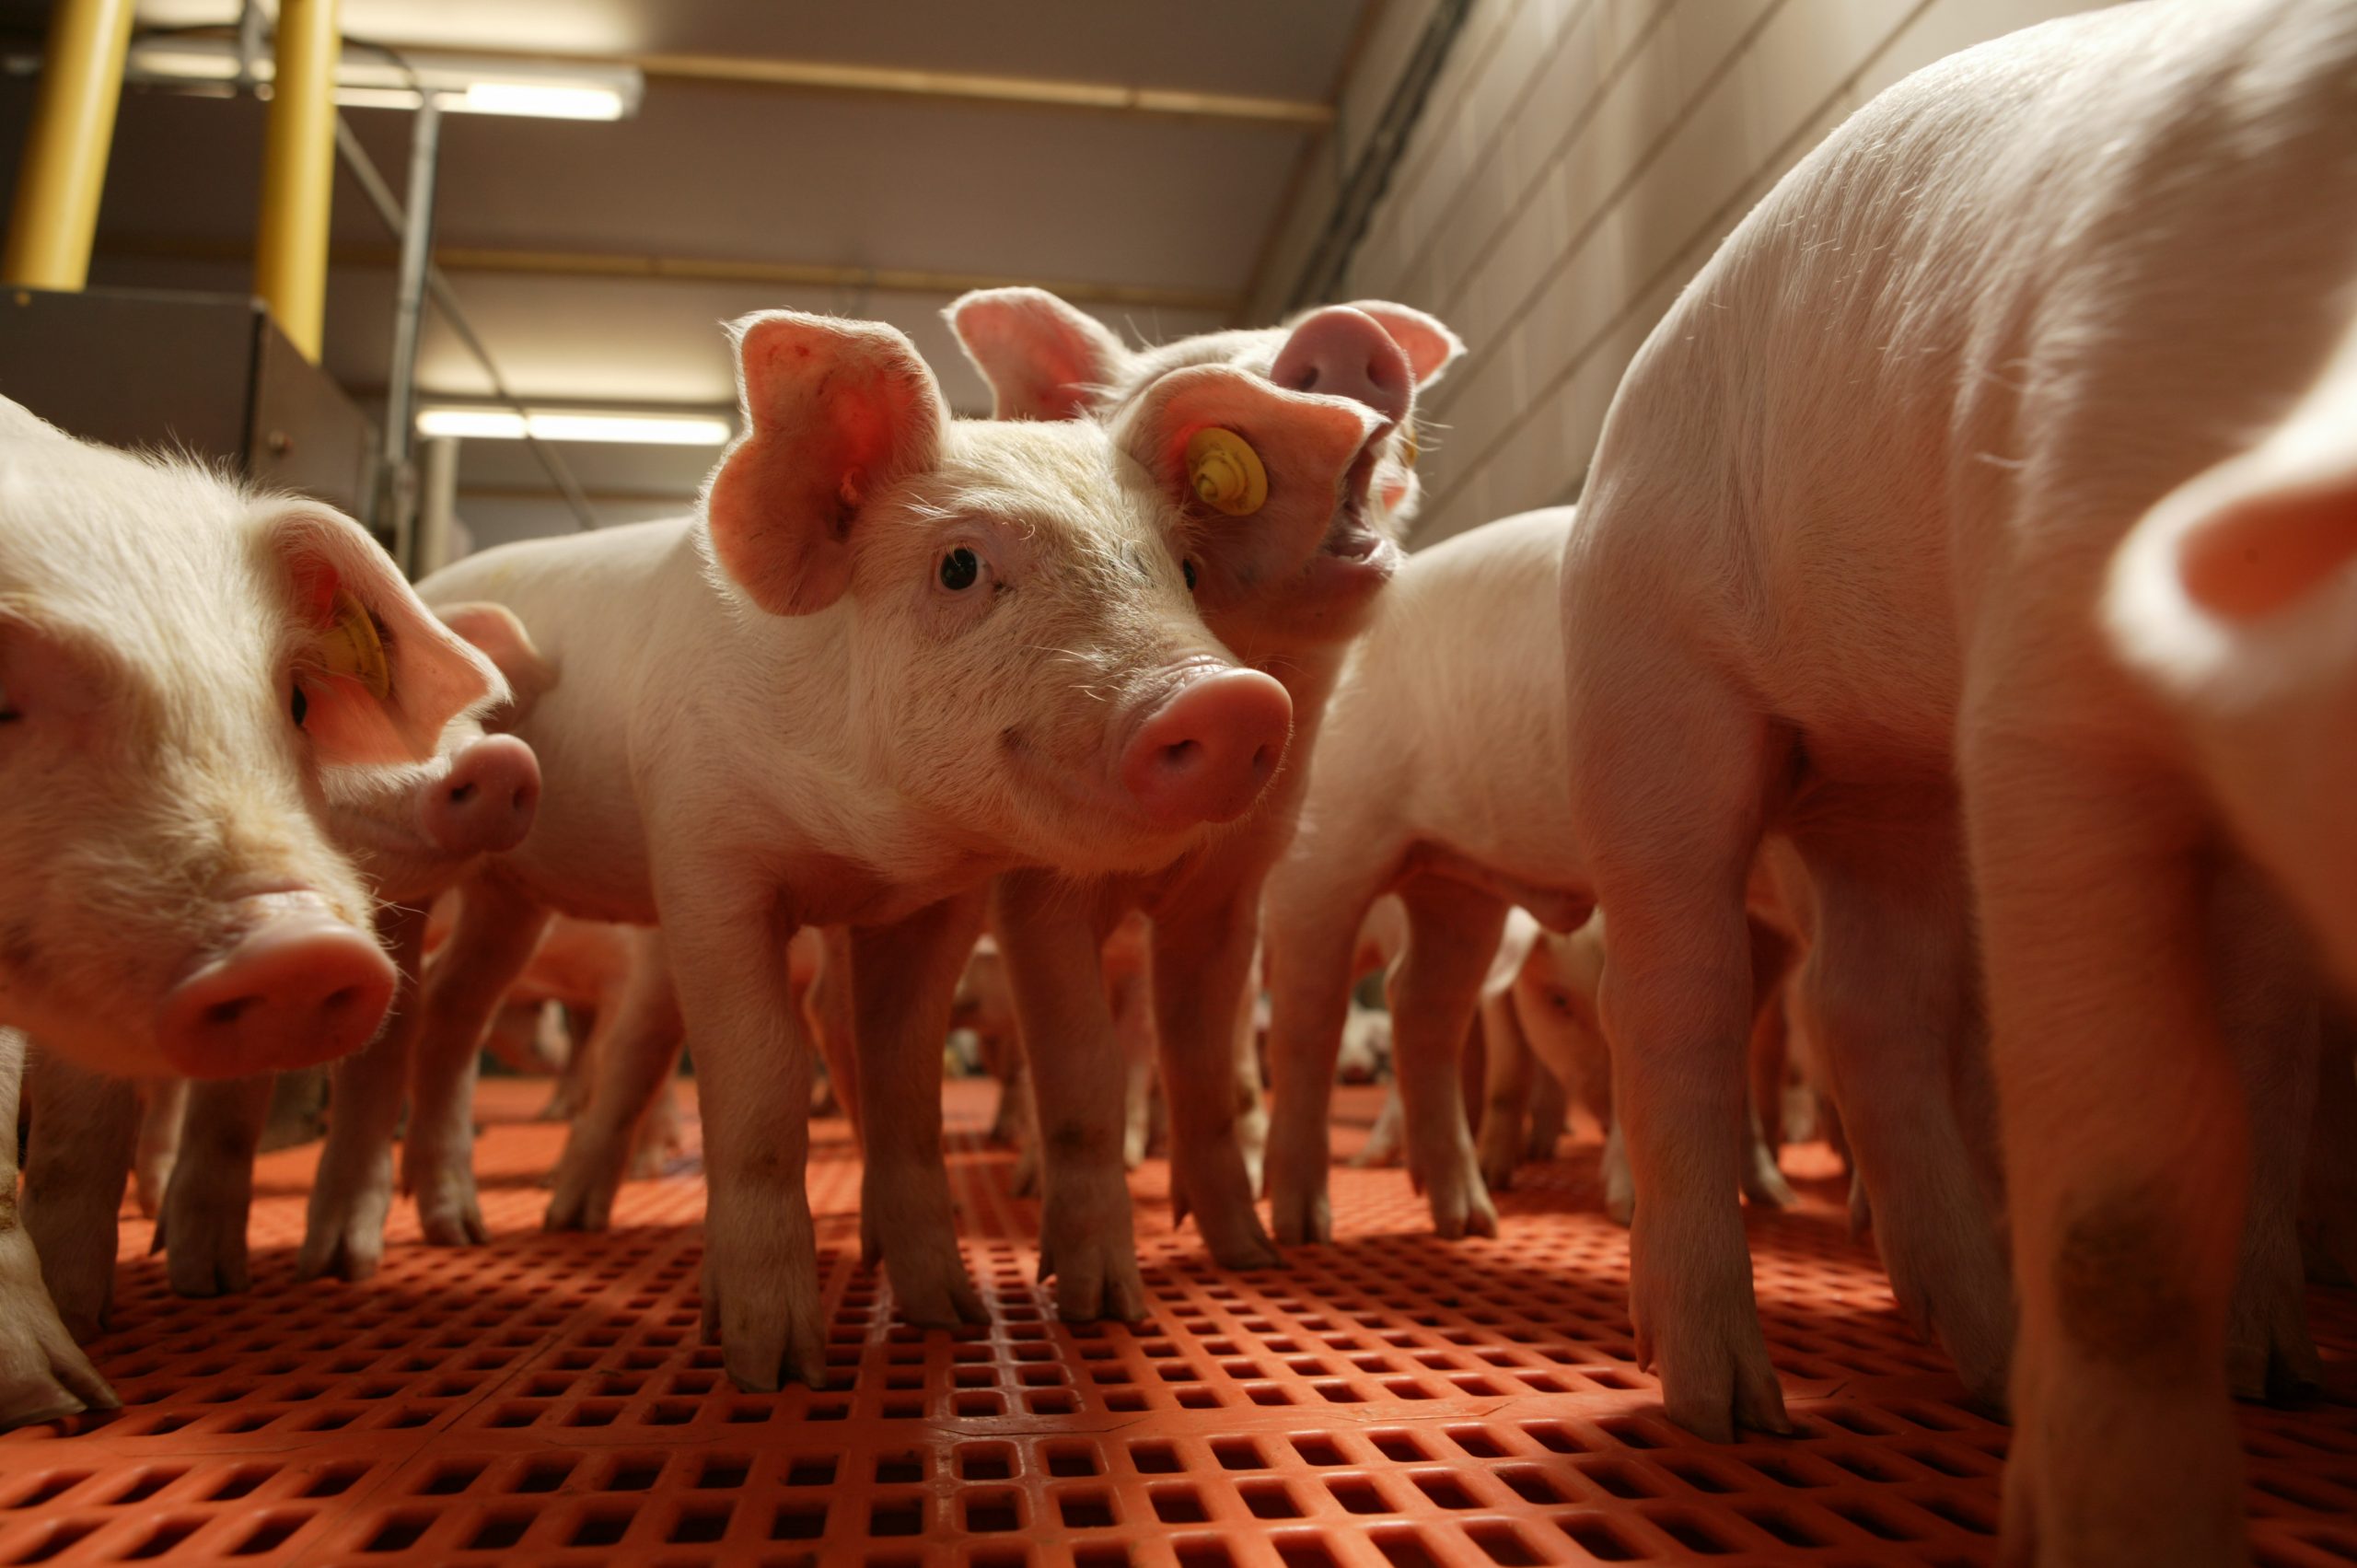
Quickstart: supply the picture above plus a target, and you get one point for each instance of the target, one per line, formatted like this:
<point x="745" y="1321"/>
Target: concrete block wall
<point x="1576" y="162"/>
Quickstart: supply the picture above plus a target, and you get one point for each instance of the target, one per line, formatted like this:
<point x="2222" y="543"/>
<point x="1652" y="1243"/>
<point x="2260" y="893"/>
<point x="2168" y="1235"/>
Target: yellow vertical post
<point x="298" y="172"/>
<point x="65" y="155"/>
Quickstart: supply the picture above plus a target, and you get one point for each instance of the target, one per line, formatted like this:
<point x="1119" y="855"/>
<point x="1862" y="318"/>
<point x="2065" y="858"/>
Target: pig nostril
<point x="461" y="794"/>
<point x="1178" y="756"/>
<point x="229" y="1012"/>
<point x="339" y="1001"/>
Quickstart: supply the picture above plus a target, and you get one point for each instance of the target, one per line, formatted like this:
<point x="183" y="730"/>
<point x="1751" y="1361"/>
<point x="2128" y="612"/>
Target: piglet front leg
<point x="1202" y="970"/>
<point x="84" y="1126"/>
<point x="1053" y="952"/>
<point x="904" y="978"/>
<point x="343" y="1231"/>
<point x="43" y="1375"/>
<point x="754" y="1067"/>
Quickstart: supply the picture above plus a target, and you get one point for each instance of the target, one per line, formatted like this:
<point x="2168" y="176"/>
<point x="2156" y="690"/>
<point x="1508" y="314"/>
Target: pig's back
<point x="1454" y="698"/>
<point x="600" y="607"/>
<point x="1849" y="434"/>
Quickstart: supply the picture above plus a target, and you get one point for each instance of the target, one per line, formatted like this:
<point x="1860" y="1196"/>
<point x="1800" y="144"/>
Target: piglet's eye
<point x="7" y="714"/>
<point x="961" y="569"/>
<point x="300" y="705"/>
<point x="1188" y="568"/>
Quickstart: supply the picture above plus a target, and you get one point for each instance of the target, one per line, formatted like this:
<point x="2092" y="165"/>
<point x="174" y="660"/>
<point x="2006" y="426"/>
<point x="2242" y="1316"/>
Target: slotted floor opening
<point x="1389" y="1399"/>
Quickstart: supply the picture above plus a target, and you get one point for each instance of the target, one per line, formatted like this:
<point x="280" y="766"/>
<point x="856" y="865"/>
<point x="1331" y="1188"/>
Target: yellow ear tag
<point x="350" y="646"/>
<point x="1227" y="472"/>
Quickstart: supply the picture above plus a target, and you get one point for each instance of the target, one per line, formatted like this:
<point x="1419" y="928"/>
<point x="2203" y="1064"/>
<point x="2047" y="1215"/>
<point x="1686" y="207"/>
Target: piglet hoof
<point x="451" y="1218"/>
<point x="2270" y="1356"/>
<point x="344" y="1235"/>
<point x="1452" y="1185"/>
<point x="43" y="1375"/>
<point x="1219" y="1195"/>
<point x="1085" y="1243"/>
<point x="1501" y="1155"/>
<point x="588" y="1174"/>
<point x="1706" y="1346"/>
<point x="1299" y="1212"/>
<point x="766" y="1335"/>
<point x="1763" y="1183"/>
<point x="204" y="1219"/>
<point x="932" y="1289"/>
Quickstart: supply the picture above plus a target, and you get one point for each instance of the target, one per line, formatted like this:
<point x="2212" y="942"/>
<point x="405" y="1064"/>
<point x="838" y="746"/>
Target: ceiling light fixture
<point x="576" y="424"/>
<point x="365" y="79"/>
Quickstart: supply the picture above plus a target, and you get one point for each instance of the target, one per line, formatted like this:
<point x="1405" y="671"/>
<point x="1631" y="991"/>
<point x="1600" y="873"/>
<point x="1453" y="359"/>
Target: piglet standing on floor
<point x="896" y="653"/>
<point x="1051" y="366"/>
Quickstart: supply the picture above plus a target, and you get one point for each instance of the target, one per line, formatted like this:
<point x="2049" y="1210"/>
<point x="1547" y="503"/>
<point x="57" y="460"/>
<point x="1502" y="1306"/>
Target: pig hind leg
<point x="1453" y="932"/>
<point x="1772" y="961"/>
<point x="2267" y="1003"/>
<point x="202" y="1229"/>
<point x="161" y="1103"/>
<point x="498" y="929"/>
<point x="1669" y="771"/>
<point x="2328" y="1187"/>
<point x="1200" y="992"/>
<point x="1507" y="1081"/>
<point x="636" y="1051"/>
<point x="1894" y="1004"/>
<point x="1313" y="924"/>
<point x="2126" y="1148"/>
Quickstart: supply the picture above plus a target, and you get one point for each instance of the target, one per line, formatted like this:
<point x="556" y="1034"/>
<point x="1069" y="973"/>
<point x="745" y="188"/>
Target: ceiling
<point x="1173" y="211"/>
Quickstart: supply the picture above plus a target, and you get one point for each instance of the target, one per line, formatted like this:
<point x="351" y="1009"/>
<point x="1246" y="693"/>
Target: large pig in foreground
<point x="1051" y="367"/>
<point x="179" y="659"/>
<point x="896" y="653"/>
<point x="1840" y="572"/>
<point x="410" y="829"/>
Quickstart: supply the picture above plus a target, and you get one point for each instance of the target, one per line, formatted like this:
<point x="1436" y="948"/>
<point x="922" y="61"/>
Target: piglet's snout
<point x="485" y="804"/>
<point x="298" y="986"/>
<point x="1206" y="753"/>
<point x="1342" y="353"/>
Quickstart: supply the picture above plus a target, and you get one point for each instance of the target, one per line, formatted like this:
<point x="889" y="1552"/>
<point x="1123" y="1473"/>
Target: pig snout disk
<point x="1205" y="755"/>
<point x="298" y="987"/>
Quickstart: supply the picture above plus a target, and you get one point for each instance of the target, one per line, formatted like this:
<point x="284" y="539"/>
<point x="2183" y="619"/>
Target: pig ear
<point x="494" y="630"/>
<point x="1258" y="472"/>
<point x="1042" y="358"/>
<point x="2265" y="548"/>
<point x="835" y="413"/>
<point x="1430" y="346"/>
<point x="380" y="675"/>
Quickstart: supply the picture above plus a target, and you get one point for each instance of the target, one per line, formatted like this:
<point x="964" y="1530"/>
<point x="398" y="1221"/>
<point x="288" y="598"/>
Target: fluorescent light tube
<point x="611" y="428"/>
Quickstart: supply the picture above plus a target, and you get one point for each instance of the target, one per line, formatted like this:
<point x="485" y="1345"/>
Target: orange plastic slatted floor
<point x="1390" y="1402"/>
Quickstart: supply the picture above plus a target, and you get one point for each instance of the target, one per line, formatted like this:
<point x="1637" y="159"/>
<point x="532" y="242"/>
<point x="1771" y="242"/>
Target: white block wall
<point x="1576" y="162"/>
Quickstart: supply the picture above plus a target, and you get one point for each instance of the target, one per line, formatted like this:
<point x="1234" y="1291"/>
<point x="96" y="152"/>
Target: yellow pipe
<point x="298" y="173"/>
<point x="66" y="155"/>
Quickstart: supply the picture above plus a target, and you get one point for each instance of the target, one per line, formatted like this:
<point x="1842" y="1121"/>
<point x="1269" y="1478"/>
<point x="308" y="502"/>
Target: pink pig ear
<point x="2265" y="547"/>
<point x="835" y="412"/>
<point x="1430" y="346"/>
<point x="1259" y="495"/>
<point x="495" y="628"/>
<point x="1042" y="358"/>
<point x="380" y="675"/>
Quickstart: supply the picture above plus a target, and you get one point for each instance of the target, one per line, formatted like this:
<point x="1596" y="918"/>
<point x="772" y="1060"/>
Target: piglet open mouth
<point x="1350" y="537"/>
